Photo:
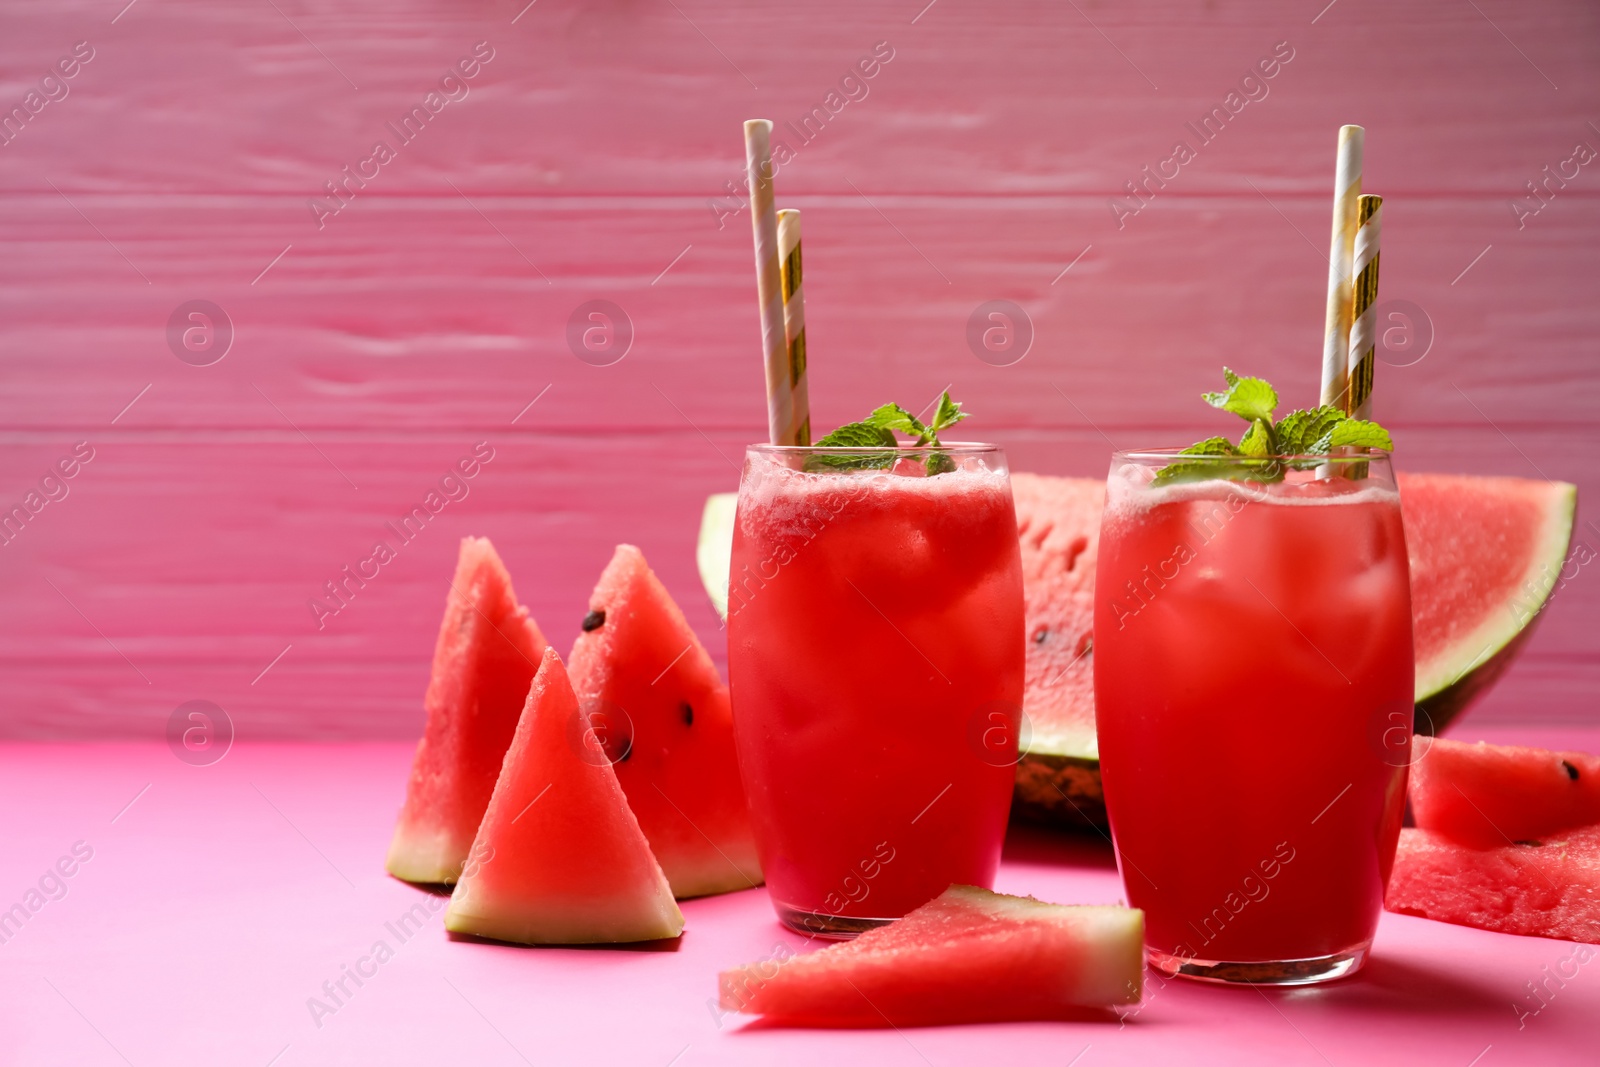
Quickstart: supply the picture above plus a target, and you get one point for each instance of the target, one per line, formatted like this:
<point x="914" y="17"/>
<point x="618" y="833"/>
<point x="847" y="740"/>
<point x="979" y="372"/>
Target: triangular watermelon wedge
<point x="968" y="955"/>
<point x="639" y="669"/>
<point x="485" y="658"/>
<point x="559" y="858"/>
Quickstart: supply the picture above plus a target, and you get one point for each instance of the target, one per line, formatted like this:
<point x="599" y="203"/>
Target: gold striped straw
<point x="1363" y="327"/>
<point x="781" y="426"/>
<point x="1336" y="339"/>
<point x="794" y="321"/>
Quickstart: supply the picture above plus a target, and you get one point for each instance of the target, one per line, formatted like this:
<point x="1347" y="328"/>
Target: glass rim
<point x="959" y="448"/>
<point x="1170" y="455"/>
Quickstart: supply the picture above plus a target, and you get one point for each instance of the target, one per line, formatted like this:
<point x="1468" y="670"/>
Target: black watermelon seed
<point x="688" y="715"/>
<point x="1531" y="844"/>
<point x="1042" y="636"/>
<point x="593" y="621"/>
<point x="1572" y="772"/>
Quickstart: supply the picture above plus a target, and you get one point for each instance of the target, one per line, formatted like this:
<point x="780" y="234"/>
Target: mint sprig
<point x="879" y="428"/>
<point x="1306" y="432"/>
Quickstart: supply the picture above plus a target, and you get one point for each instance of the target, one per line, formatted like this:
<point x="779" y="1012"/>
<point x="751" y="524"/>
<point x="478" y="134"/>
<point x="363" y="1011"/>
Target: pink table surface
<point x="218" y="899"/>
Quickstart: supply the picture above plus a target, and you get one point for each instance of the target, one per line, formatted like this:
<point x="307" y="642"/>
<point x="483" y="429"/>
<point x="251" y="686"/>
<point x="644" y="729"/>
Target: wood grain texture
<point x="586" y="161"/>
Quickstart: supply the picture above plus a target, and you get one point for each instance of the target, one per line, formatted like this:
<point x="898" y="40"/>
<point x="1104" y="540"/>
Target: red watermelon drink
<point x="1253" y="685"/>
<point x="875" y="646"/>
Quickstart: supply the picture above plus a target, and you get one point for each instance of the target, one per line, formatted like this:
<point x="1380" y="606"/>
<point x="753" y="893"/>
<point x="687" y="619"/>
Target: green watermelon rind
<point x="1457" y="678"/>
<point x="713" y="551"/>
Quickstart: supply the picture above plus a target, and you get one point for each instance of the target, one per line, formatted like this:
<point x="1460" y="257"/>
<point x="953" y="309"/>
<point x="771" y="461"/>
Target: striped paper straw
<point x="781" y="428"/>
<point x="1363" y="327"/>
<point x="794" y="322"/>
<point x="1336" y="339"/>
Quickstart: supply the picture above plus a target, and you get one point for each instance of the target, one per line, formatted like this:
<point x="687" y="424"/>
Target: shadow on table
<point x="762" y="1024"/>
<point x="1026" y="843"/>
<point x="1402" y="988"/>
<point x="440" y="889"/>
<point x="665" y="944"/>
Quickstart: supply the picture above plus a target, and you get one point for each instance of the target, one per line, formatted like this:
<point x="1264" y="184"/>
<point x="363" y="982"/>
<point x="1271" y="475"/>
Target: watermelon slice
<point x="559" y="858"/>
<point x="1058" y="522"/>
<point x="487" y="652"/>
<point x="968" y="955"/>
<point x="1549" y="888"/>
<point x="713" y="553"/>
<point x="1485" y="555"/>
<point x="1486" y="795"/>
<point x="638" y="662"/>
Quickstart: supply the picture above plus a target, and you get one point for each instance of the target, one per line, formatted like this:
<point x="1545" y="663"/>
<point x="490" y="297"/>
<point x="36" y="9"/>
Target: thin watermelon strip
<point x="968" y="955"/>
<point x="1487" y="796"/>
<point x="485" y="658"/>
<point x="641" y="671"/>
<point x="1545" y="889"/>
<point x="559" y="858"/>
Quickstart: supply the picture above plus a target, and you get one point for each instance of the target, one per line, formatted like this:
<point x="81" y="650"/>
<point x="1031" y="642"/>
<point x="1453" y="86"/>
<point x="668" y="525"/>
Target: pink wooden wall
<point x="584" y="162"/>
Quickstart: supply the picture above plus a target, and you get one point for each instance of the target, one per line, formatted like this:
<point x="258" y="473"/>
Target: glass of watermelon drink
<point x="875" y="657"/>
<point x="1253" y="691"/>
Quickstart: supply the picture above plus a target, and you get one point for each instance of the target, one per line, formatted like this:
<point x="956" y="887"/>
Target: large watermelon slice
<point x="486" y="655"/>
<point x="1058" y="522"/>
<point x="639" y="666"/>
<point x="559" y="858"/>
<point x="1490" y="795"/>
<point x="1485" y="555"/>
<point x="1548" y="888"/>
<point x="968" y="955"/>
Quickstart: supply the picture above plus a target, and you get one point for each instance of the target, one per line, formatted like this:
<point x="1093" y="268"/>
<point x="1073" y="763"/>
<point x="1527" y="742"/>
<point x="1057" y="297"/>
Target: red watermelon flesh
<point x="485" y="658"/>
<point x="653" y="692"/>
<point x="1486" y="795"/>
<point x="1058" y="523"/>
<point x="968" y="955"/>
<point x="559" y="858"/>
<point x="1485" y="555"/>
<point x="1547" y="889"/>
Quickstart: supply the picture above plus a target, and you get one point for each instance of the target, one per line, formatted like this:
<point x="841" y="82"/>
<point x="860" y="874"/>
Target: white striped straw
<point x="794" y="323"/>
<point x="1336" y="339"/>
<point x="1363" y="327"/>
<point x="769" y="285"/>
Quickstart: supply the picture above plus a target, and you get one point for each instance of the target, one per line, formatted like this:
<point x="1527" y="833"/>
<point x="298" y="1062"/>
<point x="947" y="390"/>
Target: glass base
<point x="1280" y="972"/>
<point x="829" y="927"/>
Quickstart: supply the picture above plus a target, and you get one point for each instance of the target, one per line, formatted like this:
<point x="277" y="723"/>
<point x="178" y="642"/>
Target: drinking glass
<point x="875" y="658"/>
<point x="1253" y="692"/>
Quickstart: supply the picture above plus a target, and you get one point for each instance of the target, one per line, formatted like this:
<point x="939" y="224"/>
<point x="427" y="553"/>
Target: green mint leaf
<point x="1242" y="469"/>
<point x="855" y="435"/>
<point x="1309" y="432"/>
<point x="1248" y="398"/>
<point x="858" y="435"/>
<point x="1257" y="440"/>
<point x="1299" y="431"/>
<point x="878" y="429"/>
<point x="895" y="417"/>
<point x="948" y="415"/>
<point x="1194" y="472"/>
<point x="1358" y="433"/>
<point x="1212" y="446"/>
